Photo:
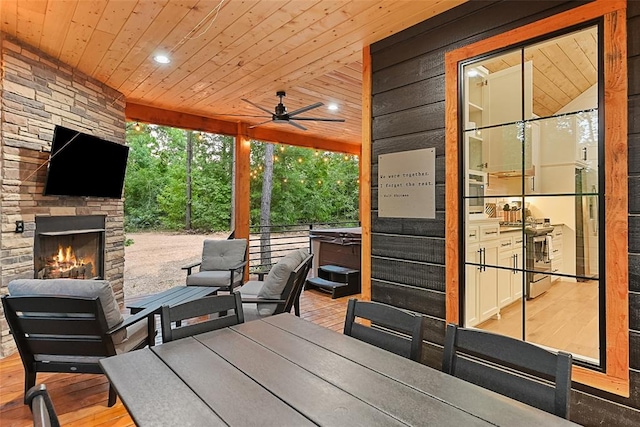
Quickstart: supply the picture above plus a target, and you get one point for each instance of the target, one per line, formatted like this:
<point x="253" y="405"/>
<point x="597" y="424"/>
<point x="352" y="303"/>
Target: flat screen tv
<point x="85" y="165"/>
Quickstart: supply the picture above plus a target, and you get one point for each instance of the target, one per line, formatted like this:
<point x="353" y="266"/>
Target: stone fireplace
<point x="69" y="247"/>
<point x="53" y="236"/>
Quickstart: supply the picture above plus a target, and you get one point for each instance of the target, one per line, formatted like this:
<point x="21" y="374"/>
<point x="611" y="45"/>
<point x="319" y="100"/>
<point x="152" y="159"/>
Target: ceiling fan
<point x="282" y="116"/>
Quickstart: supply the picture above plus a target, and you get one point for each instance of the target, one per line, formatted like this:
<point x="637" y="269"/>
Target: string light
<point x="137" y="127"/>
<point x="199" y="137"/>
<point x="299" y="159"/>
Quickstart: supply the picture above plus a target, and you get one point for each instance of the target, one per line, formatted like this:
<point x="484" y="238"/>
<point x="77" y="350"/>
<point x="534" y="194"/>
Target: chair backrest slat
<point x="514" y="368"/>
<point x="295" y="283"/>
<point x="56" y="325"/>
<point x="182" y="320"/>
<point x="392" y="328"/>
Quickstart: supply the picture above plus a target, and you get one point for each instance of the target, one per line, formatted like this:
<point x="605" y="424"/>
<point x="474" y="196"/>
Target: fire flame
<point x="65" y="259"/>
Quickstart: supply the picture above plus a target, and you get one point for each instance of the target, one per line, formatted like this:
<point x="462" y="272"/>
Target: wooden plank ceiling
<point x="563" y="68"/>
<point x="222" y="51"/>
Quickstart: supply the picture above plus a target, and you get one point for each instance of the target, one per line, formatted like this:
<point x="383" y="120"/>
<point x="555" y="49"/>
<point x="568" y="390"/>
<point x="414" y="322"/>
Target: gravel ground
<point x="153" y="262"/>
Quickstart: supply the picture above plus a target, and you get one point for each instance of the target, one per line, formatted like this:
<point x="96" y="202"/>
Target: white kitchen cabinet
<point x="471" y="287"/>
<point x="519" y="264"/>
<point x="510" y="279"/>
<point x="557" y="261"/>
<point x="475" y="94"/>
<point x="505" y="259"/>
<point x="503" y="106"/>
<point x="481" y="285"/>
<point x="488" y="281"/>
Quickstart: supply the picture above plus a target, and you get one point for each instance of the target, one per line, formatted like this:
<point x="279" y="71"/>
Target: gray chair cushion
<point x="222" y="254"/>
<point x="212" y="278"/>
<point x="277" y="278"/>
<point x="251" y="288"/>
<point x="257" y="311"/>
<point x="75" y="288"/>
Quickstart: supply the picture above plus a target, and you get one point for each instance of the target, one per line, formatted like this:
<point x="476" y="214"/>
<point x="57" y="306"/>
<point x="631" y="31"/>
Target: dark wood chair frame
<point x="190" y="310"/>
<point x="393" y="329"/>
<point x="514" y="368"/>
<point x="63" y="326"/>
<point x="292" y="290"/>
<point x="39" y="401"/>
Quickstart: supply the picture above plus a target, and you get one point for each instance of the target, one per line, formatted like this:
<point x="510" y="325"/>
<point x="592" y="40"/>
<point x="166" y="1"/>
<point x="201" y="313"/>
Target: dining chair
<point x="222" y="265"/>
<point x="514" y="368"/>
<point x="201" y="315"/>
<point x="68" y="325"/>
<point x="44" y="414"/>
<point x="392" y="328"/>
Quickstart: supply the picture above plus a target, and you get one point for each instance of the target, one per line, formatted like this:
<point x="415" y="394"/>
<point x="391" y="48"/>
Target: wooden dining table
<point x="286" y="371"/>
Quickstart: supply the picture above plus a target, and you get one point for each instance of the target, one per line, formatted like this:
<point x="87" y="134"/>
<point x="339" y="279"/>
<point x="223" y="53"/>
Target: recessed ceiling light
<point x="332" y="107"/>
<point x="161" y="59"/>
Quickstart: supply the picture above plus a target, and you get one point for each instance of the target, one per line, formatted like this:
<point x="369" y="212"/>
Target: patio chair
<point x="393" y="329"/>
<point x="201" y="315"/>
<point x="281" y="289"/>
<point x="223" y="264"/>
<point x="68" y="325"/>
<point x="514" y="368"/>
<point x="44" y="414"/>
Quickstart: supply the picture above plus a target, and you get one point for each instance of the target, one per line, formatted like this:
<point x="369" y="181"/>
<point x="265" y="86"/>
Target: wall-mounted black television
<point x="85" y="165"/>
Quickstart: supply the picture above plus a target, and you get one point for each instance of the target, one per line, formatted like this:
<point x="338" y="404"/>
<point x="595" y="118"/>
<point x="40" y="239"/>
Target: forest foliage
<point x="308" y="186"/>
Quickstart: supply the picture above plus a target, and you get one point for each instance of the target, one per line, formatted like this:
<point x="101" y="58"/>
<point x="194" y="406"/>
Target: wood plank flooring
<point x="564" y="318"/>
<point x="81" y="399"/>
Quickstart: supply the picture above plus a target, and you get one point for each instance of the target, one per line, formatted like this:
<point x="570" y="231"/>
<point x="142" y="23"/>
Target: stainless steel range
<point x="538" y="261"/>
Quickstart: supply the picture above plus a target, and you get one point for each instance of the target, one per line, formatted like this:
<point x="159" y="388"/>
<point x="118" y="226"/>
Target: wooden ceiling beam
<point x="158" y="116"/>
<point x="146" y="114"/>
<point x="301" y="140"/>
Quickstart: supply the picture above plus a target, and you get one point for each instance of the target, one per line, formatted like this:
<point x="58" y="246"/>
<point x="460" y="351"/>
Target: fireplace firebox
<point x="69" y="247"/>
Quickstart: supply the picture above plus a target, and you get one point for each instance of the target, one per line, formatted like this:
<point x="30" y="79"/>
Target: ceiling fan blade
<point x="292" y="123"/>
<point x="307" y="108"/>
<point x="319" y="119"/>
<point x="257" y="106"/>
<point x="261" y="123"/>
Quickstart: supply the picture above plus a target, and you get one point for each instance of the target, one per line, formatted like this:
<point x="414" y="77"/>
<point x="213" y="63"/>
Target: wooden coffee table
<point x="170" y="297"/>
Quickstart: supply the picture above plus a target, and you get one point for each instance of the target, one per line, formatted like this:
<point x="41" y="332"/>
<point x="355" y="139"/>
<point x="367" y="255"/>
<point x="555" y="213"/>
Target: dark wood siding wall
<point x="407" y="255"/>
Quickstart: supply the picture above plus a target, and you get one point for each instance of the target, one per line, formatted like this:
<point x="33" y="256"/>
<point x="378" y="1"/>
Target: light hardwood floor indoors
<point x="564" y="318"/>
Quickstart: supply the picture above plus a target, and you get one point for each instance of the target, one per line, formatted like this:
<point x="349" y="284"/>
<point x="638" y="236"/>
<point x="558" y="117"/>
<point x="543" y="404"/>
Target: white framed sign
<point x="406" y="184"/>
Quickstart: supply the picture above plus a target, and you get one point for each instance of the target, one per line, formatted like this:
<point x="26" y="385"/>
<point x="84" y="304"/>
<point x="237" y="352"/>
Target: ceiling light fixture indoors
<point x="162" y="59"/>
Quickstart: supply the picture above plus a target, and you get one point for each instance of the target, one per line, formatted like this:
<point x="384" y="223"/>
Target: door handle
<point x="515" y="263"/>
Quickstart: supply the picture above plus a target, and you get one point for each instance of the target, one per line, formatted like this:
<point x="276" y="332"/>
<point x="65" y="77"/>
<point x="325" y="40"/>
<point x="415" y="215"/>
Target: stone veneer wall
<point x="37" y="93"/>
